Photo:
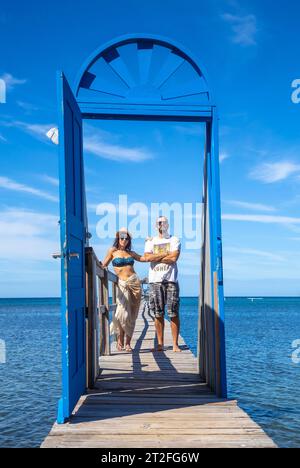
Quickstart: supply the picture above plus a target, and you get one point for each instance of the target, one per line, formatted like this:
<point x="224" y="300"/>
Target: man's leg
<point x="175" y="327"/>
<point x="173" y="311"/>
<point x="156" y="302"/>
<point x="160" y="329"/>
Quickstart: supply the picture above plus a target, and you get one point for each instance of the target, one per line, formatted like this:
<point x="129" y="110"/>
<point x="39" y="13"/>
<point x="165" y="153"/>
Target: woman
<point x="129" y="287"/>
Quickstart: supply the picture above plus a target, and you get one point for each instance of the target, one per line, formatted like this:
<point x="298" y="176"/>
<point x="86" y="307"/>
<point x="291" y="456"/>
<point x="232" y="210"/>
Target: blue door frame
<point x="108" y="87"/>
<point x="73" y="237"/>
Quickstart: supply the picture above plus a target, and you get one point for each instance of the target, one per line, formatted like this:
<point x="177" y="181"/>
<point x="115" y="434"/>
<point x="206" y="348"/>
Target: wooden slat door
<point x="73" y="238"/>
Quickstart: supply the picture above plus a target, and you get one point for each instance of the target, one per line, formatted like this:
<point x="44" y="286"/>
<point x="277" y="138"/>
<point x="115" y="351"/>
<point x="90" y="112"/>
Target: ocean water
<point x="261" y="373"/>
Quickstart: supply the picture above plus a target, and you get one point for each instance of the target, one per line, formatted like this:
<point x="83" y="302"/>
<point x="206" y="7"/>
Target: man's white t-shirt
<point x="159" y="272"/>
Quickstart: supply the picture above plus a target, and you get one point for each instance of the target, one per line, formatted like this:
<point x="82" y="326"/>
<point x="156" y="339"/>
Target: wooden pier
<point x="143" y="399"/>
<point x="154" y="400"/>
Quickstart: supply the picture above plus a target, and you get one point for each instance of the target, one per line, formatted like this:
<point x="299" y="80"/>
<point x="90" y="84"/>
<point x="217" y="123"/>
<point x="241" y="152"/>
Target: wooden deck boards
<point x="155" y="400"/>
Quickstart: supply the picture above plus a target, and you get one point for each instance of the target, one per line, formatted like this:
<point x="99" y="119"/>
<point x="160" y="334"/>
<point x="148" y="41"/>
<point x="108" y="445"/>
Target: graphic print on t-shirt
<point x="162" y="248"/>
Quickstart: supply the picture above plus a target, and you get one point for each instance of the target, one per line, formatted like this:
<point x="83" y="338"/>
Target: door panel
<point x="73" y="237"/>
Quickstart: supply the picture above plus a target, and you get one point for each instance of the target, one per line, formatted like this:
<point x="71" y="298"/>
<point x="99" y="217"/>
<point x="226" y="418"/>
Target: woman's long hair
<point x="116" y="243"/>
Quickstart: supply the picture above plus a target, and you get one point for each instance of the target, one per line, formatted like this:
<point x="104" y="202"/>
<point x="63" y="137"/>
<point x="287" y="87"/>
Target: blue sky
<point x="250" y="52"/>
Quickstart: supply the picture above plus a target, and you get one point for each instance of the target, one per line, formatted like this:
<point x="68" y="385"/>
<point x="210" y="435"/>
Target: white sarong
<point x="128" y="305"/>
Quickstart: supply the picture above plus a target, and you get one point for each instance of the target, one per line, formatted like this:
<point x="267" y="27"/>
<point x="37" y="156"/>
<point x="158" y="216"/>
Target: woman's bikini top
<point x="122" y="262"/>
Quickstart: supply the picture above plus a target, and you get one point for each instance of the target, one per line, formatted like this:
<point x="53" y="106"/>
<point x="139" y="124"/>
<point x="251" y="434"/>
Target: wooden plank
<point x="156" y="400"/>
<point x="160" y="441"/>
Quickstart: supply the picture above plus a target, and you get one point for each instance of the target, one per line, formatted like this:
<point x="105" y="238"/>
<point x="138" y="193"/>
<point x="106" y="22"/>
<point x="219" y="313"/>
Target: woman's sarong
<point x="128" y="304"/>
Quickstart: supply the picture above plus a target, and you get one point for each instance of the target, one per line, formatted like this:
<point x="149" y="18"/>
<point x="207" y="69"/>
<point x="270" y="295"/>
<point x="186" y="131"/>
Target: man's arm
<point x="149" y="257"/>
<point x="171" y="258"/>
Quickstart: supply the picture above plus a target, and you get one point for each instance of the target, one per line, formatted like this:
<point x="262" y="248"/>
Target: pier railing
<point x="211" y="329"/>
<point x="98" y="282"/>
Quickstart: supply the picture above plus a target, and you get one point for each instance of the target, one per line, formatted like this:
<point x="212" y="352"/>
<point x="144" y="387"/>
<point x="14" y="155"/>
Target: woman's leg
<point x="128" y="344"/>
<point x="121" y="340"/>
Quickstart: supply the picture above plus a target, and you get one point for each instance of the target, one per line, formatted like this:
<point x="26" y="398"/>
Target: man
<point x="163" y="282"/>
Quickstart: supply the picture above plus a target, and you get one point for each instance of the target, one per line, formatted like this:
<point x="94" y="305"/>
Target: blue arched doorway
<point x="136" y="77"/>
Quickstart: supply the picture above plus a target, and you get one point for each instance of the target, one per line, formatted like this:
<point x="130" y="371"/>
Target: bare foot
<point x="128" y="349"/>
<point x="158" y="349"/>
<point x="176" y="349"/>
<point x="120" y="347"/>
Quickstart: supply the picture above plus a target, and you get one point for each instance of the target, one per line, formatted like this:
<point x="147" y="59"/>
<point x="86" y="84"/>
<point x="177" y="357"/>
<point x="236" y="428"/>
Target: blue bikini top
<point x="121" y="262"/>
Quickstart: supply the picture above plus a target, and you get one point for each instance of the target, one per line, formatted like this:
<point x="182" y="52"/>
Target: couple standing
<point x="162" y="252"/>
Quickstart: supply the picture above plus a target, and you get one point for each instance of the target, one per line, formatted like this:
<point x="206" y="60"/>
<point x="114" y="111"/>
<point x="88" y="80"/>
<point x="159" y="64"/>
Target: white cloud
<point x="95" y="145"/>
<point x="95" y="142"/>
<point x="223" y="157"/>
<point x="251" y="206"/>
<point x="9" y="184"/>
<point x="36" y="130"/>
<point x="189" y="263"/>
<point x="244" y="28"/>
<point x="27" y="235"/>
<point x="11" y="81"/>
<point x="50" y="180"/>
<point x="27" y="106"/>
<point x="2" y="138"/>
<point x="257" y="267"/>
<point x="266" y="219"/>
<point x="255" y="253"/>
<point x="274" y="172"/>
<point x="190" y="130"/>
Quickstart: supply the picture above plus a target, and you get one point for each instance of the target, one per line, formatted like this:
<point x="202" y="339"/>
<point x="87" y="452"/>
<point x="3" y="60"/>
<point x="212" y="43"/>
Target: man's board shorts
<point x="163" y="295"/>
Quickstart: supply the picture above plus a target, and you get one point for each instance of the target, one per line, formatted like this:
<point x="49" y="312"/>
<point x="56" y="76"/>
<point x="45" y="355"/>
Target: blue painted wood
<point x="146" y="77"/>
<point x="211" y="378"/>
<point x="142" y="70"/>
<point x="145" y="113"/>
<point x="73" y="234"/>
<point x="216" y="235"/>
<point x="145" y="51"/>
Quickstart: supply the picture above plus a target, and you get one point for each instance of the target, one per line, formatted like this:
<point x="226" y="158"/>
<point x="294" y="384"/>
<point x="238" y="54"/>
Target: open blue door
<point x="73" y="237"/>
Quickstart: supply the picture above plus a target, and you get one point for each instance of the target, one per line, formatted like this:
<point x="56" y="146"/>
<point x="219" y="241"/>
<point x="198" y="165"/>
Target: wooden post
<point x="218" y="338"/>
<point x="106" y="315"/>
<point x="101" y="302"/>
<point x="202" y="352"/>
<point x="104" y="320"/>
<point x="91" y="302"/>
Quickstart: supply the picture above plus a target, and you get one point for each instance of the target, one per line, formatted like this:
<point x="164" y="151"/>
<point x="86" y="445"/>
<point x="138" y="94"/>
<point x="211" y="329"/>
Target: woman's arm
<point x="147" y="257"/>
<point x="108" y="257"/>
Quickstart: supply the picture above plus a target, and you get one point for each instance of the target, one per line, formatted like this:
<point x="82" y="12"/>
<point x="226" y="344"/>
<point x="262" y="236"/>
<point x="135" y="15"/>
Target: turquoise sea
<point x="261" y="372"/>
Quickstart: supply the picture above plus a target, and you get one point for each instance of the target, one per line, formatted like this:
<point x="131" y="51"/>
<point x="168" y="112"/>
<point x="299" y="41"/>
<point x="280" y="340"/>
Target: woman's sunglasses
<point x="123" y="237"/>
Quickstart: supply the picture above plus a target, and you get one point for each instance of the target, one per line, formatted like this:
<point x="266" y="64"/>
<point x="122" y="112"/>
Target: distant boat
<point x="252" y="299"/>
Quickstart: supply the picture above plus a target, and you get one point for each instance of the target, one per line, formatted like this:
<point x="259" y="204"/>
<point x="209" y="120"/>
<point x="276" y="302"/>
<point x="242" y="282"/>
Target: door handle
<point x="73" y="255"/>
<point x="69" y="255"/>
<point x="57" y="255"/>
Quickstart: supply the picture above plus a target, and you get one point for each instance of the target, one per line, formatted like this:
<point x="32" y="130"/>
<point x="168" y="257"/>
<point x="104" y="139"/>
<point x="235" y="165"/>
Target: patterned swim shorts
<point x="161" y="295"/>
